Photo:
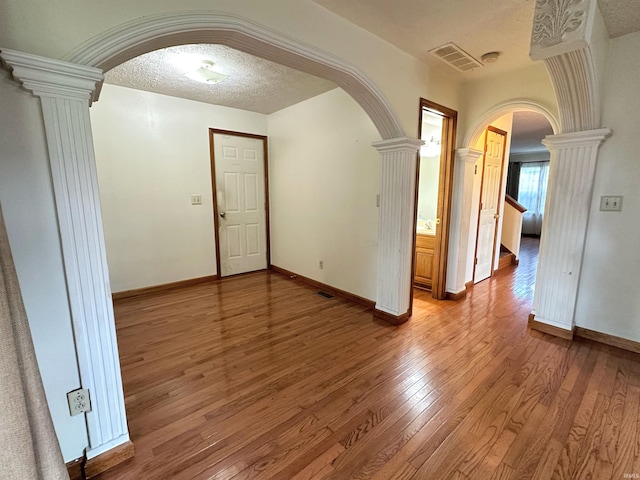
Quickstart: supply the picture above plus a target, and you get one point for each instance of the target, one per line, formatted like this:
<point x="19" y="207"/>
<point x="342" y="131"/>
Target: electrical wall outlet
<point x="196" y="199"/>
<point x="79" y="401"/>
<point x="611" y="203"/>
<point x="321" y="265"/>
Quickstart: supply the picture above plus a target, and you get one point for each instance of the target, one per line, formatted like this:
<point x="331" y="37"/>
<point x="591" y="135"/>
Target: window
<point x="532" y="192"/>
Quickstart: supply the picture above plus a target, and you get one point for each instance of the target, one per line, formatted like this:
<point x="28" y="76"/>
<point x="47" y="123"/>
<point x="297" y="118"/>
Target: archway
<point x="396" y="148"/>
<point x="66" y="89"/>
<point x="140" y="36"/>
<point x="466" y="157"/>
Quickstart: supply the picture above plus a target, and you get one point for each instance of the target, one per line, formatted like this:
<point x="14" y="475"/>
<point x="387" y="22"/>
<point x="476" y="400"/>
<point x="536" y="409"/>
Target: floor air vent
<point x="453" y="55"/>
<point x="325" y="294"/>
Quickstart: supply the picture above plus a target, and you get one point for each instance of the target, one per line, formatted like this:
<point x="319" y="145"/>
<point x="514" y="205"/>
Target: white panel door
<point x="489" y="204"/>
<point x="241" y="202"/>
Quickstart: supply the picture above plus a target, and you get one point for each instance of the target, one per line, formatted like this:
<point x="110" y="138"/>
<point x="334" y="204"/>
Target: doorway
<point x="490" y="200"/>
<point x="434" y="175"/>
<point x="240" y="201"/>
<point x="525" y="166"/>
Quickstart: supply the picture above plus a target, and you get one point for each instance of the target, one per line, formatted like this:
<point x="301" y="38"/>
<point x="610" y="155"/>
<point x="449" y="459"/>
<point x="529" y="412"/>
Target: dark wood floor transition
<point x="258" y="377"/>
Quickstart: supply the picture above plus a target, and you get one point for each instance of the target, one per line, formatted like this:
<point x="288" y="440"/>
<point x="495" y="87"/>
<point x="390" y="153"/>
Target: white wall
<point x="26" y="196"/>
<point x="480" y="96"/>
<point x="152" y="153"/>
<point x="511" y="229"/>
<point x="503" y="123"/>
<point x="54" y="29"/>
<point x="324" y="177"/>
<point x="608" y="299"/>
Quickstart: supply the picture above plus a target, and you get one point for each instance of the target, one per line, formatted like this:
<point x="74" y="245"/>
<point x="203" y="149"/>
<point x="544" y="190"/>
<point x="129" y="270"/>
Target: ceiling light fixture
<point x="431" y="148"/>
<point x="206" y="74"/>
<point x="491" y="57"/>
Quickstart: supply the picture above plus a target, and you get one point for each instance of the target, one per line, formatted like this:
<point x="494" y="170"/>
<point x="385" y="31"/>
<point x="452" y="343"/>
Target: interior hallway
<point x="257" y="376"/>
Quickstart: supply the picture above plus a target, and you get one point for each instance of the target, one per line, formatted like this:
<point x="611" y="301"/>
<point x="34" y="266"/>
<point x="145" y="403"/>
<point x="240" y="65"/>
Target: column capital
<point x="469" y="155"/>
<point x="560" y="27"/>
<point x="47" y="77"/>
<point x="400" y="144"/>
<point x="587" y="138"/>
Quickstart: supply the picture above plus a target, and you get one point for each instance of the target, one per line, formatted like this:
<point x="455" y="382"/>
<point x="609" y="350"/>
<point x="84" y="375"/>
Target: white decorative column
<point x="465" y="160"/>
<point x="65" y="92"/>
<point x="572" y="171"/>
<point x="396" y="227"/>
<point x="563" y="36"/>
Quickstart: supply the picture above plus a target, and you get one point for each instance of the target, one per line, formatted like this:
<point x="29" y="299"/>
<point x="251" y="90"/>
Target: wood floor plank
<point x="257" y="377"/>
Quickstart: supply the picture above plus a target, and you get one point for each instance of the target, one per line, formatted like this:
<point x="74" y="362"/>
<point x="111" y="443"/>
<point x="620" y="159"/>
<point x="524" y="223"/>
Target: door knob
<point x="496" y="216"/>
<point x="223" y="214"/>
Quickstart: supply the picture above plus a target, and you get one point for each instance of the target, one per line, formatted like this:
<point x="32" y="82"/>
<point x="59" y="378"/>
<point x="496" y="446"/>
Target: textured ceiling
<point x="478" y="27"/>
<point x="529" y="128"/>
<point x="254" y="84"/>
<point x="620" y="16"/>
<point x="418" y="26"/>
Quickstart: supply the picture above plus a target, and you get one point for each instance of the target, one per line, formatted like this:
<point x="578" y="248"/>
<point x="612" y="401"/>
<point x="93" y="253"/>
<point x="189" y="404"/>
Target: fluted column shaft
<point x="396" y="224"/>
<point x="65" y="92"/>
<point x="566" y="216"/>
<point x="465" y="159"/>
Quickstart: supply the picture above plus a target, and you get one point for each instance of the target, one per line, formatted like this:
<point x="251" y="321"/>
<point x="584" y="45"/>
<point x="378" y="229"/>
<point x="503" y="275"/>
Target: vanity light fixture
<point x="206" y="74"/>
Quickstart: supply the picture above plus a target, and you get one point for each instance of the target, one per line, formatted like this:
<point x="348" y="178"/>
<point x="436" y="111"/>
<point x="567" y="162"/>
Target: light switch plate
<point x="611" y="203"/>
<point x="196" y="199"/>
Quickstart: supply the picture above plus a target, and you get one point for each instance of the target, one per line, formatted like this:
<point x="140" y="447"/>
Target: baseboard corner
<point x="75" y="468"/>
<point x="549" y="329"/>
<point x="109" y="459"/>
<point x="390" y="318"/>
<point x="365" y="302"/>
<point x="456" y="296"/>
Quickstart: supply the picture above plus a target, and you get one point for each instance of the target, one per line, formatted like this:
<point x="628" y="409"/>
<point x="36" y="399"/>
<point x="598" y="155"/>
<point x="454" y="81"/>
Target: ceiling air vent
<point x="456" y="57"/>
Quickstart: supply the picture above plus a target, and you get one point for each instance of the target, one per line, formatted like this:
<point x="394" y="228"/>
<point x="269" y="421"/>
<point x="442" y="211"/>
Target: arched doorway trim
<point x="146" y="34"/>
<point x="462" y="190"/>
<point x="66" y="89"/>
<point x="502" y="109"/>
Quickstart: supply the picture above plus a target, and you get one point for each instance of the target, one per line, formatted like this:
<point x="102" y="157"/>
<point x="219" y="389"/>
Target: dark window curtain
<point x="513" y="179"/>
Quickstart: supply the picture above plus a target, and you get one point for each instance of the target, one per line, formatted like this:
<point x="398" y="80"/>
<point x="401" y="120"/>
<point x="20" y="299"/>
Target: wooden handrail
<point x="514" y="203"/>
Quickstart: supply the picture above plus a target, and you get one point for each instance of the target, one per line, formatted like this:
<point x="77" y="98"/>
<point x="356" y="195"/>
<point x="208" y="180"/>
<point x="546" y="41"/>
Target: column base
<point x="462" y="294"/>
<point x="550" y="329"/>
<point x="390" y="318"/>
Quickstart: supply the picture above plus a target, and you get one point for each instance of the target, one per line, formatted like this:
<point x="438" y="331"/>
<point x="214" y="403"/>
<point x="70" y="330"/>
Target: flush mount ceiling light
<point x="206" y="74"/>
<point x="491" y="57"/>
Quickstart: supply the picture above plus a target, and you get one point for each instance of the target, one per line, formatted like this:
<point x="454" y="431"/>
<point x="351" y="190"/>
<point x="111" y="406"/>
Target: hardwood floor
<point x="258" y="377"/>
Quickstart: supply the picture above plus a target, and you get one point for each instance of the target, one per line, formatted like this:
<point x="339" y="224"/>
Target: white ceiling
<point x="415" y="26"/>
<point x="620" y="16"/>
<point x="528" y="130"/>
<point x="254" y="84"/>
<point x="418" y="26"/>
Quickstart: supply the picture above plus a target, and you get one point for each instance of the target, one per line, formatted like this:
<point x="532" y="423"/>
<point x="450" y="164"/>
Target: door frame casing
<point x="445" y="189"/>
<point x="499" y="203"/>
<point x="216" y="226"/>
